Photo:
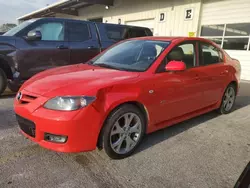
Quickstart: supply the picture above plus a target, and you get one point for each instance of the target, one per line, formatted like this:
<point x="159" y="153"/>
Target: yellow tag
<point x="191" y="34"/>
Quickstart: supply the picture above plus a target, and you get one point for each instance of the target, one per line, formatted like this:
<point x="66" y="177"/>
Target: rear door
<point x="213" y="72"/>
<point x="49" y="52"/>
<point x="83" y="41"/>
<point x="110" y="34"/>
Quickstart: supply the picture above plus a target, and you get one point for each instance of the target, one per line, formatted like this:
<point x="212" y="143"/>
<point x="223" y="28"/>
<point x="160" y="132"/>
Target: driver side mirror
<point x="175" y="66"/>
<point x="34" y="35"/>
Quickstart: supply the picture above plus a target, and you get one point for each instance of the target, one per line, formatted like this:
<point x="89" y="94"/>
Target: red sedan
<point x="135" y="87"/>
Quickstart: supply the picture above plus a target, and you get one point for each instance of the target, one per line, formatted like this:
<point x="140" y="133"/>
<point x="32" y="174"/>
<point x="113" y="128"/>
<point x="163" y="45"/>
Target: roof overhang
<point x="70" y="7"/>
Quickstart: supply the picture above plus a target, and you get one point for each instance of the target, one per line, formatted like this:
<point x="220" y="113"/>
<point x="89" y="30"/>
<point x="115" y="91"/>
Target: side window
<point x="149" y="32"/>
<point x="210" y="55"/>
<point x="159" y="49"/>
<point x="221" y="56"/>
<point x="51" y="31"/>
<point x="137" y="32"/>
<point x="78" y="31"/>
<point x="115" y="32"/>
<point x="184" y="52"/>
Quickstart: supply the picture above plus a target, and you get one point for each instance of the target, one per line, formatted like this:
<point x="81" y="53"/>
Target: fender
<point x="4" y="64"/>
<point x="111" y="97"/>
<point x="8" y="57"/>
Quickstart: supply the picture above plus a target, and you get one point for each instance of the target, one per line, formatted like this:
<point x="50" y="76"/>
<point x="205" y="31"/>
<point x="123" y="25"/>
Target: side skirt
<point x="182" y="118"/>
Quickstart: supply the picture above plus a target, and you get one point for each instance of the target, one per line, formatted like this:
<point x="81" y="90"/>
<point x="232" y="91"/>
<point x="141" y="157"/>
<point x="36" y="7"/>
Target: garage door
<point x="228" y="24"/>
<point x="143" y="23"/>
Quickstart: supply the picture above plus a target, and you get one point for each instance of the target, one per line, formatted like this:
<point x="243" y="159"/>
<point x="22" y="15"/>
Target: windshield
<point x="18" y="28"/>
<point x="134" y="55"/>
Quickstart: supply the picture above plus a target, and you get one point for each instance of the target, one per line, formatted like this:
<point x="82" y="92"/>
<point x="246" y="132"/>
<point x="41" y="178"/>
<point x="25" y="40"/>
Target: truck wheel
<point x="13" y="88"/>
<point x="3" y="81"/>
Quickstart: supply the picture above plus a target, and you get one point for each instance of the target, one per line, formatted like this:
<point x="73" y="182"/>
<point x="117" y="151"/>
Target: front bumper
<point x="81" y="127"/>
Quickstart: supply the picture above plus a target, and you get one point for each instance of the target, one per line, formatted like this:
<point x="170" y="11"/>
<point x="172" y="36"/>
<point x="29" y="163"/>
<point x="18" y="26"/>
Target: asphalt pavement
<point x="209" y="151"/>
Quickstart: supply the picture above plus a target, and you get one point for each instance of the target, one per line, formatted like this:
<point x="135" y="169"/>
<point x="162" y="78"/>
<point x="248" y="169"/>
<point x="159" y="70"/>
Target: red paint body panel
<point x="176" y="96"/>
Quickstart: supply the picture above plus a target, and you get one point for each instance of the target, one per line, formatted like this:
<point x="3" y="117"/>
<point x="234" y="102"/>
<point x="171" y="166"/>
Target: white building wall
<point x="244" y="58"/>
<point x="135" y="10"/>
<point x="226" y="11"/>
<point x="229" y="12"/>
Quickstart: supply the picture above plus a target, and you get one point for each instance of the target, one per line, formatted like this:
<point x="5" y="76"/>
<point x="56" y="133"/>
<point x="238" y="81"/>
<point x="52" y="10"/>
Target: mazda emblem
<point x="19" y="96"/>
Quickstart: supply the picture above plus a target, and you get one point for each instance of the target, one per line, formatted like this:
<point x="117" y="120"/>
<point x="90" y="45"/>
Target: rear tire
<point x="123" y="131"/>
<point x="3" y="81"/>
<point x="228" y="100"/>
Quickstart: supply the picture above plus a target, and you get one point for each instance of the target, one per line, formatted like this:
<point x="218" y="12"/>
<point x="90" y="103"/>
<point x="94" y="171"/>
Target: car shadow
<point x="7" y="115"/>
<point x="7" y="96"/>
<point x="164" y="134"/>
<point x="7" y="118"/>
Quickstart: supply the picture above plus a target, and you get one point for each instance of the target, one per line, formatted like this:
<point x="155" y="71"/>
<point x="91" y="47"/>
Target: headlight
<point x="69" y="103"/>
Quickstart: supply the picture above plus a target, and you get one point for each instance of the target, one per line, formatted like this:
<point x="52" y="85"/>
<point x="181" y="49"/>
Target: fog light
<point x="55" y="138"/>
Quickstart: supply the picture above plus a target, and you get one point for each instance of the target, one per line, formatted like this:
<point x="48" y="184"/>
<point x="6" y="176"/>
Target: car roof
<point x="159" y="38"/>
<point x="76" y="20"/>
<point x="176" y="39"/>
<point x="59" y="19"/>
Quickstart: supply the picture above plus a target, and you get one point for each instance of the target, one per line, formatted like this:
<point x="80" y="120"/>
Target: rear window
<point x="78" y="32"/>
<point x="210" y="54"/>
<point x="115" y="32"/>
<point x="137" y="32"/>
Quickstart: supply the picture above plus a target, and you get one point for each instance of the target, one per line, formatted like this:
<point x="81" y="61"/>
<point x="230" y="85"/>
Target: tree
<point x="6" y="27"/>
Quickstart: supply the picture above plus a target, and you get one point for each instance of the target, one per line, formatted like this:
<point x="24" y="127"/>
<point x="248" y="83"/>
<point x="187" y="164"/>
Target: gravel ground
<point x="207" y="151"/>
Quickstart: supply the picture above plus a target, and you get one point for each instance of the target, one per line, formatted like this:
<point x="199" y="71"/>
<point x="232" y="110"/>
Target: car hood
<point x="74" y="80"/>
<point x="7" y="40"/>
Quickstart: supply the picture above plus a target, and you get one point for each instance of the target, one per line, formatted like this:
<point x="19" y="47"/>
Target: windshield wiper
<point x="106" y="66"/>
<point x="116" y="68"/>
<point x="89" y="62"/>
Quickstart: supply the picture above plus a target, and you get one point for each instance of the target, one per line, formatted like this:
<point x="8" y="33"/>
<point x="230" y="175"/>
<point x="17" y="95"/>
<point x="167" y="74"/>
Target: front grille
<point x="27" y="99"/>
<point x="26" y="126"/>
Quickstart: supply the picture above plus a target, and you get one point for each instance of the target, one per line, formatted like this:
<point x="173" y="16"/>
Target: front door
<point x="49" y="52"/>
<point x="177" y="93"/>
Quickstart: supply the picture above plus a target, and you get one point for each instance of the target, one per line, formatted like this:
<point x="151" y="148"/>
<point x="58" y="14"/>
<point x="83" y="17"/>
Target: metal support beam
<point x="69" y="7"/>
<point x="73" y="12"/>
<point x="100" y="2"/>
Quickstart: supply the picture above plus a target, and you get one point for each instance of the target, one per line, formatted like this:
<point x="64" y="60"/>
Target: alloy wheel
<point x="126" y="133"/>
<point x="228" y="99"/>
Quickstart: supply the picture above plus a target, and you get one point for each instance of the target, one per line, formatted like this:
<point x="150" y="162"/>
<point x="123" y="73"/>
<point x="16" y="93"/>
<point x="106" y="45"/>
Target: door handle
<point x="197" y="77"/>
<point x="224" y="72"/>
<point x="62" y="47"/>
<point x="91" y="47"/>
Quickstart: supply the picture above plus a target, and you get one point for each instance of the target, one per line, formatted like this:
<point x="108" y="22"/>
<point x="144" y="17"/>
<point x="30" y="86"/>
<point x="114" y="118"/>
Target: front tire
<point x="123" y="131"/>
<point x="3" y="81"/>
<point x="13" y="88"/>
<point x="228" y="100"/>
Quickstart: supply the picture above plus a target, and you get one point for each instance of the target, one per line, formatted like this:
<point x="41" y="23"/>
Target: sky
<point x="10" y="10"/>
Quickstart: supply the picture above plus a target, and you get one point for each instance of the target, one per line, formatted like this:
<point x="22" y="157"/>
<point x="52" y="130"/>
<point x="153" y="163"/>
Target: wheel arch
<point x="6" y="68"/>
<point x="135" y="103"/>
<point x="235" y="83"/>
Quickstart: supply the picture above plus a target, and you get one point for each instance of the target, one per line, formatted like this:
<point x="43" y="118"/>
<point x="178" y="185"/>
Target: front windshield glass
<point x="18" y="28"/>
<point x="134" y="55"/>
